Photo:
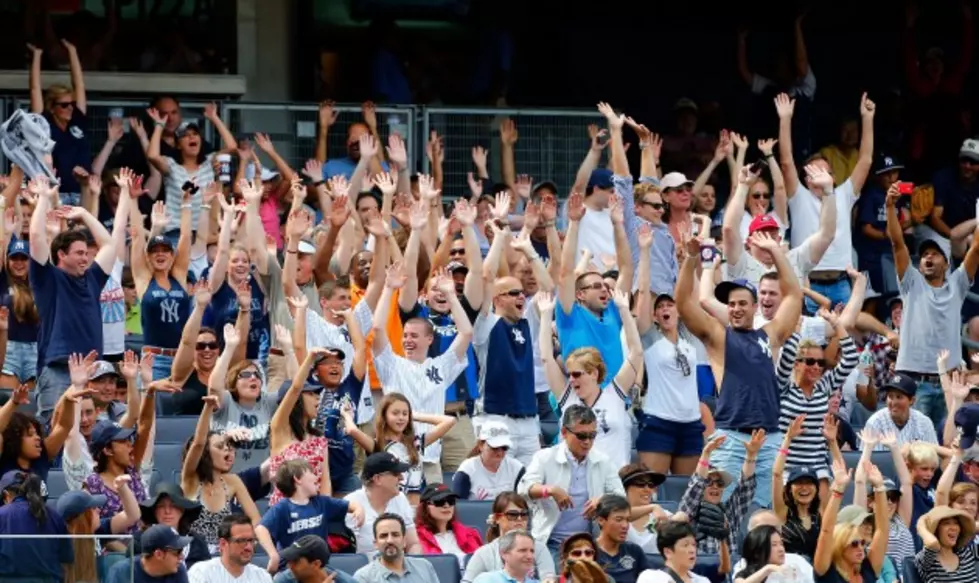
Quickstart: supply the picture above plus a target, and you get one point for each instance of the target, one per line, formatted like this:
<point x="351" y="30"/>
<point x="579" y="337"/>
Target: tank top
<point x="208" y="523"/>
<point x="163" y="314"/>
<point x="614" y="421"/>
<point x="749" y="390"/>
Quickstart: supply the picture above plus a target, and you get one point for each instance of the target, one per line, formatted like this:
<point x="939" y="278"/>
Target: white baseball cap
<point x="673" y="180"/>
<point x="970" y="150"/>
<point x="495" y="434"/>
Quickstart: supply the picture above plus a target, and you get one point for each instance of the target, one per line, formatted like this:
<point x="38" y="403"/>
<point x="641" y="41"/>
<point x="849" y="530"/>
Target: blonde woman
<point x="840" y="554"/>
<point x="586" y="382"/>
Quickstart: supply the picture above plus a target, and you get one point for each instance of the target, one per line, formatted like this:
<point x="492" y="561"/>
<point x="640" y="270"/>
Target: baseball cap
<point x="968" y="455"/>
<point x="600" y="178"/>
<point x="889" y="486"/>
<point x="100" y="368"/>
<point x="308" y="387"/>
<point x="762" y="222"/>
<point x="967" y="419"/>
<point x="105" y="432"/>
<point x="724" y="289"/>
<point x="724" y="475"/>
<point x="11" y="479"/>
<point x="18" y="247"/>
<point x="852" y="515"/>
<point x="455" y="266"/>
<point x="438" y="493"/>
<point x="382" y="463"/>
<point x="886" y="163"/>
<point x="545" y="184"/>
<point x="160" y="537"/>
<point x="932" y="244"/>
<point x="309" y="547"/>
<point x="268" y="174"/>
<point x="306" y="247"/>
<point x="331" y="351"/>
<point x="159" y="240"/>
<point x="801" y="473"/>
<point x="495" y="434"/>
<point x="656" y="477"/>
<point x="185" y="127"/>
<point x="662" y="298"/>
<point x="685" y="103"/>
<point x="970" y="150"/>
<point x="902" y="383"/>
<point x="75" y="502"/>
<point x="674" y="180"/>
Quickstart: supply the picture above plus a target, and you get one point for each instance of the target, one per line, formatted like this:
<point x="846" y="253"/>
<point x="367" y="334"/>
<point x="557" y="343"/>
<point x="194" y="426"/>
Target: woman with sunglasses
<point x="578" y="565"/>
<point x="510" y="512"/>
<point x="841" y="556"/>
<point x="760" y="200"/>
<point x="206" y="477"/>
<point x="439" y="530"/>
<point x="65" y="109"/>
<point x="488" y="470"/>
<point x="586" y="380"/>
<point x="640" y="484"/>
<point x="196" y="357"/>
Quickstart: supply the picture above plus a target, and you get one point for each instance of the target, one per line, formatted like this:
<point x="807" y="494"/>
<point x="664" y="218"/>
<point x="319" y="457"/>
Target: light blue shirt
<point x="573" y="519"/>
<point x="663" y="266"/>
<point x="500" y="577"/>
<point x="343" y="167"/>
<point x="582" y="328"/>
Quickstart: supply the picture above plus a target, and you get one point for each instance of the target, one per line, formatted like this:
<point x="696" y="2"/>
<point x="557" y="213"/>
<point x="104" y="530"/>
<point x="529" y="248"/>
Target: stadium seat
<point x="56" y="484"/>
<point x="348" y="563"/>
<point x="673" y="488"/>
<point x="446" y="567"/>
<point x="882" y="459"/>
<point x="260" y="559"/>
<point x="473" y="513"/>
<point x="167" y="457"/>
<point x="263" y="505"/>
<point x="164" y="405"/>
<point x="911" y="574"/>
<point x="175" y="429"/>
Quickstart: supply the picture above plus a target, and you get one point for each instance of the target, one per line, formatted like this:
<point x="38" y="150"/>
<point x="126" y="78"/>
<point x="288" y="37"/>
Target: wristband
<point x="160" y="124"/>
<point x="291" y="251"/>
<point x="880" y="489"/>
<point x="547" y="224"/>
<point x="545" y="492"/>
<point x="837" y="494"/>
<point x="186" y="206"/>
<point x="783" y="451"/>
<point x="703" y="464"/>
<point x="206" y="206"/>
<point x="750" y="460"/>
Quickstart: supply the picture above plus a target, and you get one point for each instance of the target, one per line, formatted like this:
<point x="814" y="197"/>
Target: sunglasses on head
<point x="447" y="503"/>
<point x="207" y="346"/>
<point x="582" y="553"/>
<point x="584" y="435"/>
<point x="761" y="195"/>
<point x="513" y="293"/>
<point x="517" y="514"/>
<point x="813" y="361"/>
<point x="249" y="374"/>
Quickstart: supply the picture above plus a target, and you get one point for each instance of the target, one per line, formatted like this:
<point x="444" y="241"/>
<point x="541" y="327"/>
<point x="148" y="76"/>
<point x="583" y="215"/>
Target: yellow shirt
<point x="840" y="163"/>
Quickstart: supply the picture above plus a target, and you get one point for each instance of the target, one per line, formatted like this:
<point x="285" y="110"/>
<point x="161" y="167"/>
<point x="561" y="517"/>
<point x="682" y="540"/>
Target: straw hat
<point x="939" y="513"/>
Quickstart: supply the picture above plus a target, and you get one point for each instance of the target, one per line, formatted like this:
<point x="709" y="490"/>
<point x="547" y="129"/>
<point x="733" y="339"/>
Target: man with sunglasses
<point x="161" y="560"/>
<point x="565" y="482"/>
<point x="237" y="542"/>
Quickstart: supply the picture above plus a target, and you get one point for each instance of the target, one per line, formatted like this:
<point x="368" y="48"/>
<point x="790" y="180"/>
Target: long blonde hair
<point x="83" y="569"/>
<point x="843" y="534"/>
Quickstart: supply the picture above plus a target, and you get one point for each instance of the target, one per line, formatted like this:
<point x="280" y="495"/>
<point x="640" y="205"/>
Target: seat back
<point x="446" y="567"/>
<point x="673" y="488"/>
<point x="911" y="574"/>
<point x="348" y="563"/>
<point x="474" y="513"/>
<point x="175" y="429"/>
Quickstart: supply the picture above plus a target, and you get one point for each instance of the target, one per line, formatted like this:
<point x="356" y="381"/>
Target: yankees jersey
<point x="614" y="420"/>
<point x="164" y="313"/>
<point x="748" y="391"/>
<point x="507" y="349"/>
<point x="423" y="383"/>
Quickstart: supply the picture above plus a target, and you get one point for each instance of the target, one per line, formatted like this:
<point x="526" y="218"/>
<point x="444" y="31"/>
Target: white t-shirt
<point x="532" y="315"/>
<point x="113" y="304"/>
<point x="671" y="395"/>
<point x="645" y="538"/>
<point x="596" y="233"/>
<point x="614" y="422"/>
<point x="746" y="219"/>
<point x="747" y="267"/>
<point x="484" y="484"/>
<point x="365" y="534"/>
<point x="660" y="576"/>
<point x="802" y="570"/>
<point x="805" y="208"/>
<point x="213" y="571"/>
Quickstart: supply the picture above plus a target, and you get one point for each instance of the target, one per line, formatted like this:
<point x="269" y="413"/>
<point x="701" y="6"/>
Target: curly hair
<point x="20" y="424"/>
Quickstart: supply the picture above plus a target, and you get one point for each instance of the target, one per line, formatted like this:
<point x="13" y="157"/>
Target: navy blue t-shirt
<point x="287" y="521"/>
<point x="871" y="210"/>
<point x="72" y="315"/>
<point x="626" y="565"/>
<point x="224" y="310"/>
<point x="32" y="558"/>
<point x="163" y="313"/>
<point x="749" y="392"/>
<point x="19" y="331"/>
<point x="329" y="420"/>
<point x="39" y="467"/>
<point x="119" y="573"/>
<point x="922" y="501"/>
<point x="71" y="148"/>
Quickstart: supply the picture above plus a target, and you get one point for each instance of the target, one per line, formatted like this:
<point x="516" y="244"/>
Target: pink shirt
<point x="268" y="211"/>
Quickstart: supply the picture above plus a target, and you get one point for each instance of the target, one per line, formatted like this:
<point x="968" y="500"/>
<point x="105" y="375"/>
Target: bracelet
<point x="243" y="310"/>
<point x="769" y="156"/>
<point x="545" y="492"/>
<point x="703" y="463"/>
<point x="206" y="206"/>
<point x="783" y="451"/>
<point x="837" y="494"/>
<point x="547" y="224"/>
<point x="291" y="251"/>
<point x="880" y="489"/>
<point x="186" y="206"/>
<point x="160" y="124"/>
<point x="750" y="460"/>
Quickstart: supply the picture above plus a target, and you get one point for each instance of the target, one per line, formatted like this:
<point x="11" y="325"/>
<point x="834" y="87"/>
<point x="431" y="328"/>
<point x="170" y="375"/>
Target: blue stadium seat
<point x="673" y="488"/>
<point x="348" y="563"/>
<point x="175" y="429"/>
<point x="474" y="513"/>
<point x="56" y="484"/>
<point x="911" y="574"/>
<point x="882" y="459"/>
<point x="166" y="457"/>
<point x="263" y="505"/>
<point x="446" y="567"/>
<point x="164" y="405"/>
<point x="260" y="559"/>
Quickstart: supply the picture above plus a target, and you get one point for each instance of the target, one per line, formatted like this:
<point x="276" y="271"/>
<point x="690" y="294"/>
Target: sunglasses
<point x="576" y="374"/>
<point x="584" y="435"/>
<point x="683" y="188"/>
<point x="760" y="195"/>
<point x="513" y="293"/>
<point x="855" y="544"/>
<point x="582" y="553"/>
<point x="207" y="346"/>
<point x="517" y="514"/>
<point x="65" y="104"/>
<point x="716" y="482"/>
<point x="813" y="361"/>
<point x="243" y="541"/>
<point x="457" y="252"/>
<point x="654" y="205"/>
<point x="503" y="448"/>
<point x="447" y="503"/>
<point x="597" y="286"/>
<point x="642" y="484"/>
<point x="249" y="374"/>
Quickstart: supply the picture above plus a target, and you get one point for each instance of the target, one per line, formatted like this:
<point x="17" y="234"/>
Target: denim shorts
<point x="21" y="360"/>
<point x="675" y="438"/>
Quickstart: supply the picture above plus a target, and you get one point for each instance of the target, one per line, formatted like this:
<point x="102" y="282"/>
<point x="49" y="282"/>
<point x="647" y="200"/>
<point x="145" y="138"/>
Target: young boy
<point x="304" y="510"/>
<point x="923" y="463"/>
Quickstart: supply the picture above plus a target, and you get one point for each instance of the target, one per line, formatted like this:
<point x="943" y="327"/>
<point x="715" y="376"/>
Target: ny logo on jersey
<point x="434" y="376"/>
<point x="763" y="344"/>
<point x="169" y="309"/>
<point x="518" y="336"/>
<point x="346" y="334"/>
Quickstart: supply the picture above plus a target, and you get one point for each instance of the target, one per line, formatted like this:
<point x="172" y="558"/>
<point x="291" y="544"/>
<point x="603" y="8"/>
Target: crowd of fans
<point x="364" y="357"/>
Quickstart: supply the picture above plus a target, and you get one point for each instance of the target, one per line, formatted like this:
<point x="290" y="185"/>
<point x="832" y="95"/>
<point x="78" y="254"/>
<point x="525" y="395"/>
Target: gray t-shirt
<point x="255" y="419"/>
<point x="278" y="304"/>
<point x="932" y="321"/>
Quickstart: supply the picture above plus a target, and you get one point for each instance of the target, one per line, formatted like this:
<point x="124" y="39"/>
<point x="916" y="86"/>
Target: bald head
<point x="503" y="285"/>
<point x="764" y="518"/>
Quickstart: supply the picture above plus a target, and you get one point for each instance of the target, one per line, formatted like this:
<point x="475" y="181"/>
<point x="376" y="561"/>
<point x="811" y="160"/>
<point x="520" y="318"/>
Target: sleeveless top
<point x="163" y="313"/>
<point x="310" y="449"/>
<point x="209" y="521"/>
<point x="614" y="420"/>
<point x="749" y="390"/>
<point x="509" y="351"/>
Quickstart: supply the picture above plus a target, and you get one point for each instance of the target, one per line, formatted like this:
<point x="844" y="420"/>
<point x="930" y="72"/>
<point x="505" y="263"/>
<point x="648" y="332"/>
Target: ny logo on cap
<point x="498" y="431"/>
<point x="897" y="378"/>
<point x="888" y="161"/>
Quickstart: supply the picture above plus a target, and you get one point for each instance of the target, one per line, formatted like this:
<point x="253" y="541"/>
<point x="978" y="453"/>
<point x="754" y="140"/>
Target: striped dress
<point x="809" y="449"/>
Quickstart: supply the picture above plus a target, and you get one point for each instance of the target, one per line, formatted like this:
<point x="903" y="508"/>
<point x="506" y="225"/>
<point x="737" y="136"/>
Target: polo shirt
<point x="71" y="148"/>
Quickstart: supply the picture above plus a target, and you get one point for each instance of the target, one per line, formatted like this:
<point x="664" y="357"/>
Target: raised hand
<point x="264" y="143"/>
<point x="21" y="395"/>
<point x="444" y="284"/>
<point x="231" y="336"/>
<point x="766" y="146"/>
<point x="616" y="210"/>
<point x="796" y="427"/>
<point x="831" y="428"/>
<point x="958" y="388"/>
<point x="157" y="117"/>
<point x="300" y="302"/>
<point x="873" y="474"/>
<point x="753" y="445"/>
<point x="841" y="475"/>
<point x="621" y="299"/>
<point x="888" y="439"/>
<point x="615" y="121"/>
<point x="867" y="107"/>
<point x="832" y="317"/>
<point x="523" y="185"/>
<point x="395" y="277"/>
<point x="244" y="293"/>
<point x="545" y="301"/>
<point x="523" y="244"/>
<point x="368" y="146"/>
<point x="202" y="293"/>
<point x="576" y="206"/>
<point x="116" y="129"/>
<point x="531" y="216"/>
<point x="723" y="148"/>
<point x="479" y="157"/>
<point x="893" y="196"/>
<point x="121" y="481"/>
<point x="597" y="137"/>
<point x="340" y="211"/>
<point x="739" y="140"/>
<point x="508" y="132"/>
<point x="501" y="209"/>
<point x="712" y="445"/>
<point x="548" y="208"/>
<point x="130" y="365"/>
<point x="942" y="360"/>
<point x="746" y="177"/>
<point x="819" y="178"/>
<point x="784" y="106"/>
<point x="211" y="111"/>
<point x="386" y="182"/>
<point x="251" y="190"/>
<point x="475" y="186"/>
<point x="80" y="368"/>
<point x="765" y="241"/>
<point x="868" y="438"/>
<point x="465" y="213"/>
<point x="397" y="153"/>
<point x="645" y="235"/>
<point x="426" y="188"/>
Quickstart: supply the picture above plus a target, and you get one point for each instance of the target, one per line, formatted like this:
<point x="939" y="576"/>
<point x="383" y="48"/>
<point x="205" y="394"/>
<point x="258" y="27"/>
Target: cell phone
<point x="190" y="187"/>
<point x="707" y="254"/>
<point x="756" y="166"/>
<point x="905" y="188"/>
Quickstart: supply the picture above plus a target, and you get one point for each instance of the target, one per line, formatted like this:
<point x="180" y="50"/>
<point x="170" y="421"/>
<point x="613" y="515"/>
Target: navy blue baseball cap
<point x="105" y="432"/>
<point x="161" y="537"/>
<point x="902" y="383"/>
<point x="185" y="127"/>
<point x="802" y="473"/>
<point x="159" y="240"/>
<point x="724" y="289"/>
<point x="967" y="419"/>
<point x="18" y="247"/>
<point x="75" y="502"/>
<point x="12" y="479"/>
<point x="600" y="178"/>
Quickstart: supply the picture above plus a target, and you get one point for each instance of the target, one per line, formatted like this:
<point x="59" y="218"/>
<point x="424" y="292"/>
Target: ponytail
<point x="30" y="490"/>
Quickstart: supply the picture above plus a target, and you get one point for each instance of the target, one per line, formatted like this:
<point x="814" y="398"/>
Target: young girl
<point x="395" y="433"/>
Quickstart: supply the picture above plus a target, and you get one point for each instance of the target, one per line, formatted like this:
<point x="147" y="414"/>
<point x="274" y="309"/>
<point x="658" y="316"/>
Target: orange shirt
<point x="394" y="327"/>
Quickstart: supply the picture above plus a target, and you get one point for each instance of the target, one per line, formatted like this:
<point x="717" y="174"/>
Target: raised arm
<point x="183" y="361"/>
<point x="556" y="380"/>
<point x="34" y="79"/>
<point x="395" y="278"/>
<point x="778" y="471"/>
<point x="123" y="521"/>
<point x="217" y="383"/>
<point x="464" y="329"/>
<point x="699" y="322"/>
<point x="77" y="77"/>
<point x="787" y="316"/>
<point x="785" y="108"/>
<point x="822" y="560"/>
<point x="39" y="243"/>
<point x="227" y="138"/>
<point x="566" y="286"/>
<point x="279" y="430"/>
<point x="902" y="258"/>
<point x="780" y="199"/>
<point x="731" y="241"/>
<point x="971" y="260"/>
<point x="877" y="551"/>
<point x="866" y="156"/>
<point x="418" y="221"/>
<point x="153" y="156"/>
<point x="592" y="157"/>
<point x="628" y="374"/>
<point x="473" y="287"/>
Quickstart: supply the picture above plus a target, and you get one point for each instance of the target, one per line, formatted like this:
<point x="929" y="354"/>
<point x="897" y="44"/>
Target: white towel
<point x="26" y="140"/>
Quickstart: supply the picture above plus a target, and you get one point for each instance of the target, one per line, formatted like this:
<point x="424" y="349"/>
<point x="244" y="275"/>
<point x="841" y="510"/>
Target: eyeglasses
<point x="65" y="104"/>
<point x="243" y="541"/>
<point x="517" y="514"/>
<point x="582" y="553"/>
<point x="249" y="374"/>
<point x="457" y="252"/>
<point x="447" y="503"/>
<point x="642" y="484"/>
<point x="513" y="293"/>
<point x="761" y="195"/>
<point x="584" y="435"/>
<point x="654" y="205"/>
<point x="682" y="363"/>
<point x="597" y="286"/>
<point x="208" y="346"/>
<point x="813" y="361"/>
<point x="716" y="482"/>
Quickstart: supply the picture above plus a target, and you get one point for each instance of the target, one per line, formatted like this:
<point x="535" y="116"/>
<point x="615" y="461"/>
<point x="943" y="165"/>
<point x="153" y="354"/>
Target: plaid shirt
<point x="735" y="510"/>
<point x="879" y="349"/>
